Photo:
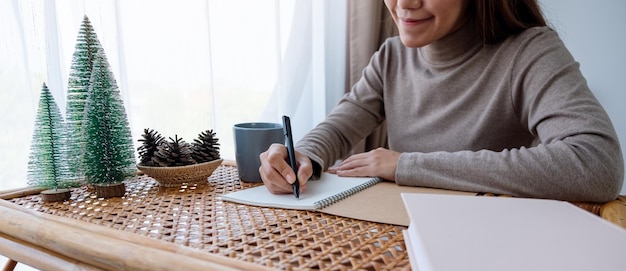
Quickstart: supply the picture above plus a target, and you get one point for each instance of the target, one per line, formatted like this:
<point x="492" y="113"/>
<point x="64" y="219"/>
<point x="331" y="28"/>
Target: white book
<point x="318" y="194"/>
<point x="451" y="232"/>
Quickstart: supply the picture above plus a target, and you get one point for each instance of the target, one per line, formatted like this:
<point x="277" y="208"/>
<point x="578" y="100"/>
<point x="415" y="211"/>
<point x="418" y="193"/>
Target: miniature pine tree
<point x="173" y="153"/>
<point x="47" y="165"/>
<point x="205" y="147"/>
<point x="149" y="146"/>
<point x="87" y="46"/>
<point x="109" y="153"/>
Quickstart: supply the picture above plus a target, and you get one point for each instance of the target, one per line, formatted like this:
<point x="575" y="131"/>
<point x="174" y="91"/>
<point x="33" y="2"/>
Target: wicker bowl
<point x="176" y="176"/>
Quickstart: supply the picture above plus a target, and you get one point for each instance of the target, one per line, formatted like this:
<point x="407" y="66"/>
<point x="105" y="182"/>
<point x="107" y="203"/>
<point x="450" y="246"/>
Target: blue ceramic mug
<point x="251" y="139"/>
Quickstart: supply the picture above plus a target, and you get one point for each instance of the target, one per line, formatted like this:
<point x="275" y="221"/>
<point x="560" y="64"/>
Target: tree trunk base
<point x="54" y="195"/>
<point x="110" y="190"/>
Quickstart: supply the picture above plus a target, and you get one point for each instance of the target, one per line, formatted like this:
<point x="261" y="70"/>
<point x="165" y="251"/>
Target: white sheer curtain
<point x="182" y="66"/>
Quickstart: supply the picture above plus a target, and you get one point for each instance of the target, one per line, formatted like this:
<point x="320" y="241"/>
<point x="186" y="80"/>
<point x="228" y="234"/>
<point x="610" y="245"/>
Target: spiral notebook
<point x="320" y="193"/>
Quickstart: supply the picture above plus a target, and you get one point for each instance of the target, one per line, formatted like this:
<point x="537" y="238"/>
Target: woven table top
<point x="195" y="216"/>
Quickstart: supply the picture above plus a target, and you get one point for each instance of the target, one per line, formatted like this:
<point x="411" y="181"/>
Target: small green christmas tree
<point x="87" y="46"/>
<point x="47" y="165"/>
<point x="109" y="153"/>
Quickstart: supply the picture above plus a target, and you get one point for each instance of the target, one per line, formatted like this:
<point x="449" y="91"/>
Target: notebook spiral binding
<point x="337" y="197"/>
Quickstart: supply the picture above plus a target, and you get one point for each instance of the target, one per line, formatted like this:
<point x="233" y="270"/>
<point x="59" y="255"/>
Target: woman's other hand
<point x="380" y="162"/>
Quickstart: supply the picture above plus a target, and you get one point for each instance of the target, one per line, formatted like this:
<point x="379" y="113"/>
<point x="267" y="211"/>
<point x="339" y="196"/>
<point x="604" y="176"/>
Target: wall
<point x="595" y="33"/>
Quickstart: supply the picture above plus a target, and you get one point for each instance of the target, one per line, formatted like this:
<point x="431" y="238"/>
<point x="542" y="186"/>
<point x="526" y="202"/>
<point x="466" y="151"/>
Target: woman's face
<point x="421" y="22"/>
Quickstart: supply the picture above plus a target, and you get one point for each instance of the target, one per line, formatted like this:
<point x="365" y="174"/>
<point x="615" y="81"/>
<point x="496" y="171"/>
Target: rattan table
<point x="190" y="228"/>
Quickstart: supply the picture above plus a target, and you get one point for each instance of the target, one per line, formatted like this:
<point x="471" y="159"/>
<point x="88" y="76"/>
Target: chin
<point x="412" y="42"/>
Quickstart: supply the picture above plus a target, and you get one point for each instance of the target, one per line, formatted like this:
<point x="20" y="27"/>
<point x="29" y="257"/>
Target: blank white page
<point x="318" y="194"/>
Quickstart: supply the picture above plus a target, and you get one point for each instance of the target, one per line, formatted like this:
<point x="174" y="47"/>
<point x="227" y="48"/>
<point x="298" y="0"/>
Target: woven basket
<point x="176" y="176"/>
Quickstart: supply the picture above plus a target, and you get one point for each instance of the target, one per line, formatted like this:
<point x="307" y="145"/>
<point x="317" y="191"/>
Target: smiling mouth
<point x="408" y="21"/>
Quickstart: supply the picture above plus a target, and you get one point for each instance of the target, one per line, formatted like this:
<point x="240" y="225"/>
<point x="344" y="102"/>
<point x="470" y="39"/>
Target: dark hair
<point x="495" y="20"/>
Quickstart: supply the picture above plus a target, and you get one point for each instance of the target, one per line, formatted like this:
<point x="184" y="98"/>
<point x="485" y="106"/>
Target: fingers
<point x="354" y="168"/>
<point x="272" y="164"/>
<point x="277" y="174"/>
<point x="305" y="169"/>
<point x="351" y="163"/>
<point x="375" y="163"/>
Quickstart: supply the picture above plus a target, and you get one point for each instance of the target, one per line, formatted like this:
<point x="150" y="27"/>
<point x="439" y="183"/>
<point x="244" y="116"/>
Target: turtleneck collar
<point x="454" y="48"/>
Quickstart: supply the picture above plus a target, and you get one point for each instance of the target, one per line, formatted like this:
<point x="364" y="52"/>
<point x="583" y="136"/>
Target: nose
<point x="409" y="4"/>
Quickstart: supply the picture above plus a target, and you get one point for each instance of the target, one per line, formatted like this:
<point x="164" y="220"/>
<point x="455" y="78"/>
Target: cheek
<point x="391" y="6"/>
<point x="391" y="9"/>
<point x="454" y="15"/>
<point x="448" y="10"/>
<point x="448" y="22"/>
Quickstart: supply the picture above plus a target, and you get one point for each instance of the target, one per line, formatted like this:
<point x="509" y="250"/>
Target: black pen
<point x="292" y="154"/>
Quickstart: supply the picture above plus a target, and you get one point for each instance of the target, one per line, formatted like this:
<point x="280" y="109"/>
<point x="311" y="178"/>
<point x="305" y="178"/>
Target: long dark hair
<point x="495" y="20"/>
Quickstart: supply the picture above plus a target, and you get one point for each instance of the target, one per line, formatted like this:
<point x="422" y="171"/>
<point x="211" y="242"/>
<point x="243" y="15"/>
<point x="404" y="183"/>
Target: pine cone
<point x="149" y="146"/>
<point x="173" y="153"/>
<point x="205" y="147"/>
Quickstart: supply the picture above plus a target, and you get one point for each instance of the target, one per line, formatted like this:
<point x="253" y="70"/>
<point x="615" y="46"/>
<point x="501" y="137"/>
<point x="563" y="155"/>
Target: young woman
<point x="478" y="95"/>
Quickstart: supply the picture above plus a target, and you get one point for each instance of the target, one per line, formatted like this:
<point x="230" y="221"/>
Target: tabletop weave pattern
<point x="197" y="217"/>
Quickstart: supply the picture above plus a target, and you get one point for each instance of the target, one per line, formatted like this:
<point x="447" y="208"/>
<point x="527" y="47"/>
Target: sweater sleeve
<point x="577" y="157"/>
<point x="356" y="115"/>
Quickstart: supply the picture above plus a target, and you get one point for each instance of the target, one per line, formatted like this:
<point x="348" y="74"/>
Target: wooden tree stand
<point x="54" y="195"/>
<point x="110" y="190"/>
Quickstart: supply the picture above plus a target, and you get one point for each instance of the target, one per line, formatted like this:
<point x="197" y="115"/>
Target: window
<point x="182" y="67"/>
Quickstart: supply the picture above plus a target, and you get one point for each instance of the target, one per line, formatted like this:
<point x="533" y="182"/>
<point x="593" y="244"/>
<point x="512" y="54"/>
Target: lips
<point x="408" y="22"/>
<point x="414" y="21"/>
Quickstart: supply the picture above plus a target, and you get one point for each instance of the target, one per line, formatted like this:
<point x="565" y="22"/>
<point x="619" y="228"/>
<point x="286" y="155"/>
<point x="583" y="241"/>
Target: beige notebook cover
<point x="382" y="203"/>
<point x="363" y="198"/>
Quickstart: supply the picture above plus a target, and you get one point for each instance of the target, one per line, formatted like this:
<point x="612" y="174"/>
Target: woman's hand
<point x="276" y="173"/>
<point x="380" y="162"/>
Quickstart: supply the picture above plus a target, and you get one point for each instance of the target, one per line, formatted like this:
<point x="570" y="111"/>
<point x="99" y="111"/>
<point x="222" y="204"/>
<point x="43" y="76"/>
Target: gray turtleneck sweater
<point x="512" y="118"/>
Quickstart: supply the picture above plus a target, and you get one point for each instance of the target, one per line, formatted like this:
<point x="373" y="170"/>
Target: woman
<point x="478" y="96"/>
